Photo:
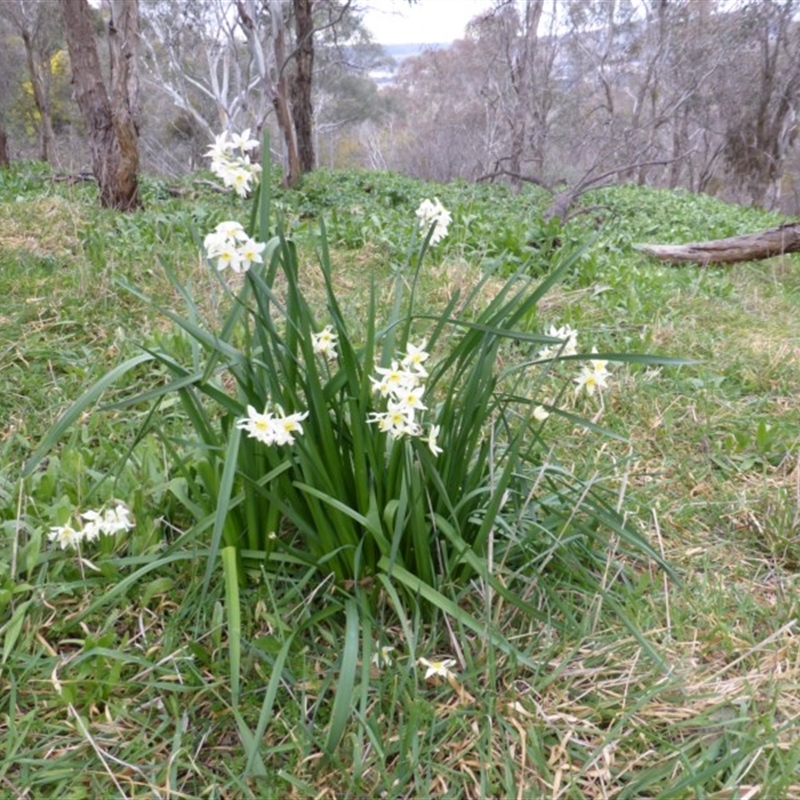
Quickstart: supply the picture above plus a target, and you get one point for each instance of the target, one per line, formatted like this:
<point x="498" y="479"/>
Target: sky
<point x="425" y="22"/>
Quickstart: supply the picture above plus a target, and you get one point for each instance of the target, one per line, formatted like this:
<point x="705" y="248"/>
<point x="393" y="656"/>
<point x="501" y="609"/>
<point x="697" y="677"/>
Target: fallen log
<point x="747" y="247"/>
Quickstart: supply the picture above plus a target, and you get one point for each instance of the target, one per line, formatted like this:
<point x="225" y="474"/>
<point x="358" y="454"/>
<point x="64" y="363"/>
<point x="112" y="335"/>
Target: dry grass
<point x="42" y="227"/>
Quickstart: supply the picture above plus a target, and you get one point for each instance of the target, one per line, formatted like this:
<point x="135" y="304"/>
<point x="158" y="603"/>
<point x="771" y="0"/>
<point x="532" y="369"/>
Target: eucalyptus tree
<point x="620" y="58"/>
<point x="109" y="111"/>
<point x="194" y="54"/>
<point x="485" y="105"/>
<point x="697" y="93"/>
<point x="252" y="61"/>
<point x="36" y="25"/>
<point x="444" y="124"/>
<point x="4" y="159"/>
<point x="761" y="94"/>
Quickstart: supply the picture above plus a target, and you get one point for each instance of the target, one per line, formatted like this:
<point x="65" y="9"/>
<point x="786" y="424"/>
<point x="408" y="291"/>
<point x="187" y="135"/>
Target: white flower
<point x="231" y="229"/>
<point x="434" y="669"/>
<point x="229" y="256"/>
<point x="270" y="428"/>
<point x="116" y="520"/>
<point x="255" y="169"/>
<point x="414" y="359"/>
<point x="567" y="347"/>
<point x="230" y="245"/>
<point x="410" y="400"/>
<point x="396" y="378"/>
<point x="213" y="243"/>
<point x="219" y="150"/>
<point x="250" y="253"/>
<point x="324" y="343"/>
<point x="237" y="178"/>
<point x="243" y="141"/>
<point x="433" y="433"/>
<point x="65" y="536"/>
<point x="257" y="425"/>
<point x="401" y="384"/>
<point x="285" y="427"/>
<point x="381" y="657"/>
<point x="235" y="171"/>
<point x="598" y="364"/>
<point x="592" y="380"/>
<point x="433" y="213"/>
<point x="540" y="413"/>
<point x="95" y="525"/>
<point x="380" y="385"/>
<point x="396" y="422"/>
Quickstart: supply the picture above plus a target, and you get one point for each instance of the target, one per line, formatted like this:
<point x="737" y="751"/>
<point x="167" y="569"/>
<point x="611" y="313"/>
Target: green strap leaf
<point x="86" y="400"/>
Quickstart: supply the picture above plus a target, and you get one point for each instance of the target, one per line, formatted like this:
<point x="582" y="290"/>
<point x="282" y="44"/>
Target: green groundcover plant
<point x="404" y="459"/>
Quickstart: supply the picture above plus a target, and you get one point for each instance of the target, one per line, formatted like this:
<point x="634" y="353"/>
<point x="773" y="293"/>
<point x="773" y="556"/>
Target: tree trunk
<point x="41" y="98"/>
<point x="276" y="89"/>
<point x="4" y="160"/>
<point x="521" y="73"/>
<point x="300" y="86"/>
<point x="280" y="96"/>
<point x="110" y="125"/>
<point x="748" y="247"/>
<point x="281" y="106"/>
<point x="123" y="43"/>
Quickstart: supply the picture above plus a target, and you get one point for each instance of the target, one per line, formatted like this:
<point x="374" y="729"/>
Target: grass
<point x="115" y="674"/>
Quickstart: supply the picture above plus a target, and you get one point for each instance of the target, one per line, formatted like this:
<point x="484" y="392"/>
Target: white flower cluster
<point x="272" y="427"/>
<point x="324" y="343"/>
<point x="437" y="668"/>
<point x="230" y="245"/>
<point x="402" y="386"/>
<point x="230" y="163"/>
<point x="430" y="213"/>
<point x="594" y="375"/>
<point x="568" y="346"/>
<point x="105" y="523"/>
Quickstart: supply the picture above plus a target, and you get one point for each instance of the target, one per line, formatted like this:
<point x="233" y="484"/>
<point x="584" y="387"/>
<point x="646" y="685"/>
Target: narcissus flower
<point x="116" y="520"/>
<point x="243" y="141"/>
<point x="433" y="213"/>
<point x="287" y="426"/>
<point x="568" y="346"/>
<point x="414" y="358"/>
<point x="397" y="378"/>
<point x="324" y="343"/>
<point x="231" y="229"/>
<point x="230" y="162"/>
<point x="382" y="656"/>
<point x="65" y="536"/>
<point x="96" y="523"/>
<point x="230" y="245"/>
<point x="258" y="425"/>
<point x="270" y="428"/>
<point x="250" y="253"/>
<point x="401" y="384"/>
<point x="437" y="669"/>
<point x="220" y="148"/>
<point x="598" y="364"/>
<point x="433" y="434"/>
<point x="396" y="421"/>
<point x="591" y="380"/>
